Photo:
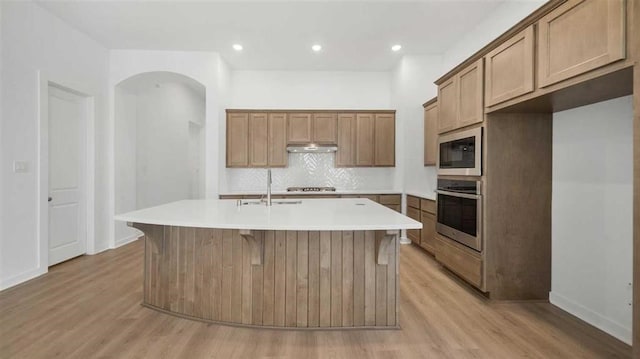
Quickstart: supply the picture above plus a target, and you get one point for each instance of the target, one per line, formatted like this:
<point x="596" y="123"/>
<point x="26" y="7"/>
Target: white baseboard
<point x="597" y="320"/>
<point x="22" y="277"/>
<point x="126" y="240"/>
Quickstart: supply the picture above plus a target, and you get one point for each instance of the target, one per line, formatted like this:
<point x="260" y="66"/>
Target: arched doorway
<point x="158" y="143"/>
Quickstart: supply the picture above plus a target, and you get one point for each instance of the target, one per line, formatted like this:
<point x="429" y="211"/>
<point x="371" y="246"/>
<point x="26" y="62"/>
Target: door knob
<point x="50" y="199"/>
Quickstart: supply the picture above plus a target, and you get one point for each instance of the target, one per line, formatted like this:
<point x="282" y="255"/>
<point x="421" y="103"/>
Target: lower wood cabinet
<point x="424" y="211"/>
<point x="414" y="234"/>
<point x="427" y="237"/>
<point x="461" y="260"/>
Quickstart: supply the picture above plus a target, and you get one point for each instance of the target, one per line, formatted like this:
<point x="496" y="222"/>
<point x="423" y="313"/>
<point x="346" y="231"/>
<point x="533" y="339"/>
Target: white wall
<point x="125" y="160"/>
<point x="412" y="85"/>
<point x="502" y="18"/>
<point x="162" y="151"/>
<point x="32" y="41"/>
<point x="592" y="214"/>
<point x="2" y="166"/>
<point x="157" y="159"/>
<point x="310" y="90"/>
<point x="206" y="68"/>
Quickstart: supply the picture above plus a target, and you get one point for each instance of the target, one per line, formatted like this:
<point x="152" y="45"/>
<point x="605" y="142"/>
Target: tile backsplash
<point x="307" y="170"/>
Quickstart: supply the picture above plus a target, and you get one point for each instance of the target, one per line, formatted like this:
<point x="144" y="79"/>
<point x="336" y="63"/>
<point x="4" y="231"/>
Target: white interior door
<point x="67" y="155"/>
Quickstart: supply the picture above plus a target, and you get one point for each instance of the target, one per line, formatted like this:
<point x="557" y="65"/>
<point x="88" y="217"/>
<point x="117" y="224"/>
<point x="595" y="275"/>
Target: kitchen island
<point x="305" y="264"/>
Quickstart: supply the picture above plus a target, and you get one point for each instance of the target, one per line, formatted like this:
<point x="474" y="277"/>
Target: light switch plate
<point x="20" y="166"/>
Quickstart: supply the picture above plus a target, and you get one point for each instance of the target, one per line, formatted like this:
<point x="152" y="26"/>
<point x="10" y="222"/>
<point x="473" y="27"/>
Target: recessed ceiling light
<point x="316" y="48"/>
<point x="237" y="47"/>
<point x="396" y="47"/>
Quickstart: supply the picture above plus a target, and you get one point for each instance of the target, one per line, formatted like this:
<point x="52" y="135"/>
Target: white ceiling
<point x="279" y="35"/>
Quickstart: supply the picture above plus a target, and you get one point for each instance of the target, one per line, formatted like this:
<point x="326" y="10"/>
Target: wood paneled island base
<point x="273" y="278"/>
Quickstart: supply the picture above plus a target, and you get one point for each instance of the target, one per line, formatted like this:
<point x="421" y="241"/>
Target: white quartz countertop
<point x="425" y="195"/>
<point x="341" y="214"/>
<point x="337" y="192"/>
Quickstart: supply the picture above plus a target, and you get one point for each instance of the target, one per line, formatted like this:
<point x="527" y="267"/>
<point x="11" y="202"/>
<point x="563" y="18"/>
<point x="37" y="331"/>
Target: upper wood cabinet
<point x="365" y="129"/>
<point x="321" y="127"/>
<point x="385" y="140"/>
<point x="278" y="140"/>
<point x="325" y="128"/>
<point x="448" y="107"/>
<point x="366" y="140"/>
<point x="579" y="36"/>
<point x="470" y="91"/>
<point x="430" y="134"/>
<point x="461" y="99"/>
<point x="258" y="140"/>
<point x="346" y="154"/>
<point x="299" y="128"/>
<point x="237" y="140"/>
<point x="509" y="69"/>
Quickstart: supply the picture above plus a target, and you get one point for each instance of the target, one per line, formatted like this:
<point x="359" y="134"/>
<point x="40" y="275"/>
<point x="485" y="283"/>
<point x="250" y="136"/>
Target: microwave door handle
<point x="458" y="194"/>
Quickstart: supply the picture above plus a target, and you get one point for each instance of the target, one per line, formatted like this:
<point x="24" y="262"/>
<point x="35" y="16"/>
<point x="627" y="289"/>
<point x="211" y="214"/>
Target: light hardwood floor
<point x="89" y="307"/>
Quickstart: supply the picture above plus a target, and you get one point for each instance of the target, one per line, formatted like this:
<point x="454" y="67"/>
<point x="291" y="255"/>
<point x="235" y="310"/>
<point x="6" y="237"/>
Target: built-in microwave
<point x="460" y="153"/>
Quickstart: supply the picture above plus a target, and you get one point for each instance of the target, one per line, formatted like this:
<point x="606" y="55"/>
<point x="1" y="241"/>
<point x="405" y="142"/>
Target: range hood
<point x="311" y="148"/>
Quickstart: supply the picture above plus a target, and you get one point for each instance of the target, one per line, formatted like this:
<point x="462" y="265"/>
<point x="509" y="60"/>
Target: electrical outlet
<point x="20" y="166"/>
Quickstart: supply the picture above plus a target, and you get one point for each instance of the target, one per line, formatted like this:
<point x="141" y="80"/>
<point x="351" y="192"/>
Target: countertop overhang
<point x="341" y="214"/>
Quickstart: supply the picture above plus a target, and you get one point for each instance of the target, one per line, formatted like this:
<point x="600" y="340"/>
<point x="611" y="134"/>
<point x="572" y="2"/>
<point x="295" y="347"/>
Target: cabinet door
<point x="470" y="91"/>
<point x="414" y="234"/>
<point x="447" y="106"/>
<point x="325" y="128"/>
<point x="299" y="128"/>
<point x="364" y="139"/>
<point x="430" y="134"/>
<point x="237" y="140"/>
<point x="346" y="154"/>
<point x="385" y="140"/>
<point x="579" y="36"/>
<point x="509" y="69"/>
<point x="428" y="231"/>
<point x="258" y="142"/>
<point x="278" y="140"/>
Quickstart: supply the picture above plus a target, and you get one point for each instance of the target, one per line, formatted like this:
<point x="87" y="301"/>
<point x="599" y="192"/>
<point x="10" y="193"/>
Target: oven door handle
<point x="458" y="194"/>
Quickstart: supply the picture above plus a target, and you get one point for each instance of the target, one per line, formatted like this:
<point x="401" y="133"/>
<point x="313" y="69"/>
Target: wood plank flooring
<point x="89" y="307"/>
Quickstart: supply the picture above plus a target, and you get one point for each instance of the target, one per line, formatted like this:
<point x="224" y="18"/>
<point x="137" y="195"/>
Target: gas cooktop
<point x="311" y="189"/>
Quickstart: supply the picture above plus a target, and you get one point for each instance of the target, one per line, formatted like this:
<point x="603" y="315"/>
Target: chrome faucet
<point x="269" y="187"/>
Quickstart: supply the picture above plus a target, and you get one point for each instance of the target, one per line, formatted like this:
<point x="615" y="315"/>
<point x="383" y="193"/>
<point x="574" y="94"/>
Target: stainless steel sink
<point x="261" y="202"/>
<point x="286" y="202"/>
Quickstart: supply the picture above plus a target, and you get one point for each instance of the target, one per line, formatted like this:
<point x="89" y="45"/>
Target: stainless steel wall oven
<point x="460" y="211"/>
